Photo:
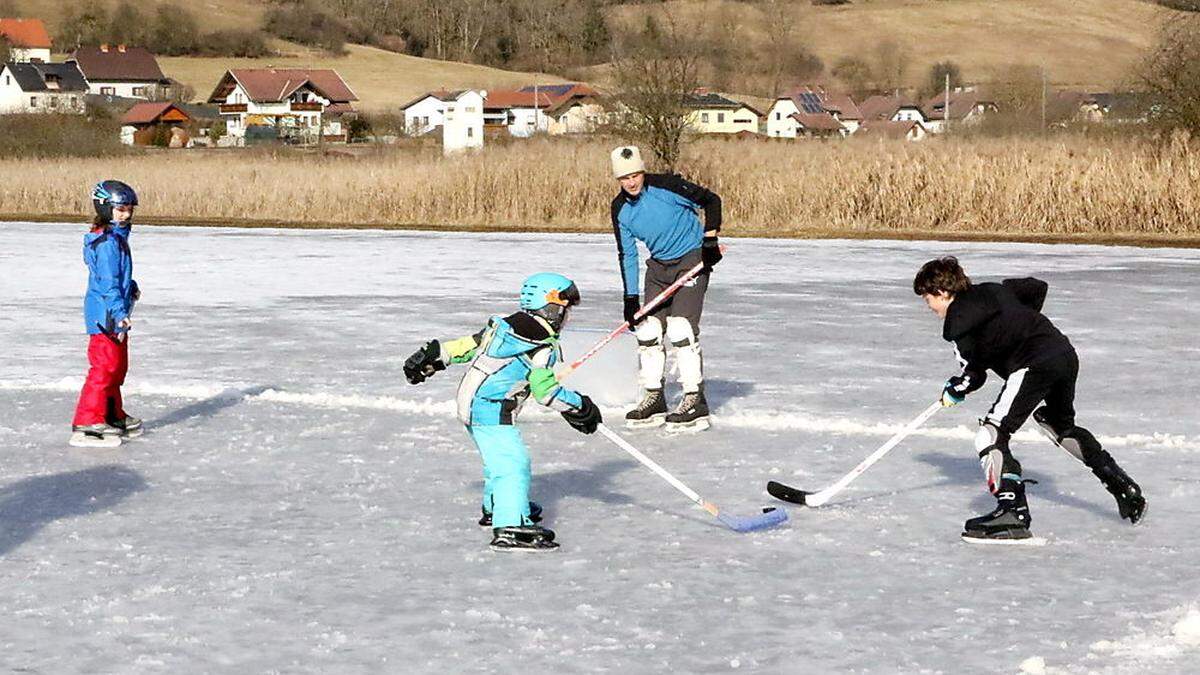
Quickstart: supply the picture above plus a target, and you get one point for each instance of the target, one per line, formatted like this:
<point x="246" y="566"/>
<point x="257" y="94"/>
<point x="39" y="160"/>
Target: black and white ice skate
<point x="130" y="427"/>
<point x="1005" y="525"/>
<point x="527" y="539"/>
<point x="691" y="415"/>
<point x="651" y="412"/>
<point x="535" y="515"/>
<point x="1130" y="502"/>
<point x="95" y="436"/>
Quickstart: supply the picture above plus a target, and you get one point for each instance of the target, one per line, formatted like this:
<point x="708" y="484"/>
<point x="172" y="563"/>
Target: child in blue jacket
<point x="509" y="359"/>
<point x="100" y="417"/>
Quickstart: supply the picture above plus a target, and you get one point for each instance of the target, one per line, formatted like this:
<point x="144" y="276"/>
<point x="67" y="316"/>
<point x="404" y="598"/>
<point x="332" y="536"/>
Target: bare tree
<point x="1171" y="73"/>
<point x="655" y="80"/>
<point x="778" y="25"/>
<point x="891" y="64"/>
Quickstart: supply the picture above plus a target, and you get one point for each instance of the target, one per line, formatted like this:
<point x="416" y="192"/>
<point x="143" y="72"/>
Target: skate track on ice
<point x="297" y="507"/>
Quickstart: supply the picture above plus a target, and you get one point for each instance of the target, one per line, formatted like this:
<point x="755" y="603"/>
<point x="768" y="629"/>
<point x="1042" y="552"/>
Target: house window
<point x="778" y="116"/>
<point x="32" y="101"/>
<point x="139" y="91"/>
<point x="720" y="118"/>
<point x="704" y="118"/>
<point x="7" y="80"/>
<point x="470" y="109"/>
<point x="470" y="132"/>
<point x="108" y="91"/>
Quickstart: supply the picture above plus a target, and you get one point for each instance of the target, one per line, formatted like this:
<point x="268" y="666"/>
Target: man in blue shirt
<point x="663" y="212"/>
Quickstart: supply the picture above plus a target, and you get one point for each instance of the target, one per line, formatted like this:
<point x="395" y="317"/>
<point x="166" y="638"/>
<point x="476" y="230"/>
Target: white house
<point x="426" y="112"/>
<point x="28" y="40"/>
<point x="462" y="124"/>
<point x="41" y="88"/>
<point x="803" y="114"/>
<point x="522" y="113"/>
<point x="967" y="107"/>
<point x="126" y="72"/>
<point x="298" y="104"/>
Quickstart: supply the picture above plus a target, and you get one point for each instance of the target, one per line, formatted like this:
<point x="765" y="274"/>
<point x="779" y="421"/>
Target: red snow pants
<point x="100" y="400"/>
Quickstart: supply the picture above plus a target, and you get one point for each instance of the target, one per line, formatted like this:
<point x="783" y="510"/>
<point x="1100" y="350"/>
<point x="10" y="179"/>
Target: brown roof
<point x="505" y="98"/>
<point x="269" y="85"/>
<point x="149" y="113"/>
<point x="123" y="63"/>
<point x="884" y="107"/>
<point x="961" y="103"/>
<point x="843" y="105"/>
<point x="818" y="121"/>
<point x="25" y="33"/>
<point x="888" y="128"/>
<point x="567" y="102"/>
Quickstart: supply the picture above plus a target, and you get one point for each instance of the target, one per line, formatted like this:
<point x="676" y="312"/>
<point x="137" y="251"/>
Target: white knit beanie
<point x="627" y="160"/>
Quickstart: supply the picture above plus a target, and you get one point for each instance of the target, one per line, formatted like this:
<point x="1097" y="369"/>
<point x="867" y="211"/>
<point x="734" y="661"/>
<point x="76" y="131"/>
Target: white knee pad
<point x="652" y="355"/>
<point x="986" y="437"/>
<point x="687" y="353"/>
<point x="991" y="460"/>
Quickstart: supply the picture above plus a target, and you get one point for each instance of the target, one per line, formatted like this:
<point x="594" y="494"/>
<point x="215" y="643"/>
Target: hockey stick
<point x="645" y="309"/>
<point x="815" y="499"/>
<point x="770" y="517"/>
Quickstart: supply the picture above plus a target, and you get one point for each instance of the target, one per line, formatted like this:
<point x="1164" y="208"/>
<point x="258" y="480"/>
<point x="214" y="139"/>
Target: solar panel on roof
<point x="811" y="103"/>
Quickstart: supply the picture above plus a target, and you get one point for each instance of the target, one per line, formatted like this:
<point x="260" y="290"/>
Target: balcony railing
<point x="231" y="108"/>
<point x="298" y="106"/>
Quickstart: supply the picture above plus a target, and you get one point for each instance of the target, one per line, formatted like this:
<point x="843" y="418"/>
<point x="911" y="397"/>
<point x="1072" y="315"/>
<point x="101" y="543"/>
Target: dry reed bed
<point x="1023" y="187"/>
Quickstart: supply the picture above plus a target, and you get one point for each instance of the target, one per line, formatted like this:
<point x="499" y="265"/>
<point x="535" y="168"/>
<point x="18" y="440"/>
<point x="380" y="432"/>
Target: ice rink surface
<point x="296" y="506"/>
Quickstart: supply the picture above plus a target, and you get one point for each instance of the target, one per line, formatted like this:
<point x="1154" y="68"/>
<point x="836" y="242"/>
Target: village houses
<point x="462" y="122"/>
<point x="293" y="104"/>
<point x="120" y="71"/>
<point x="41" y="88"/>
<point x="27" y="39"/>
<point x="714" y="114"/>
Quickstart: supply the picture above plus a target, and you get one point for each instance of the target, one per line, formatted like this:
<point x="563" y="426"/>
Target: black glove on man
<point x="710" y="253"/>
<point x="586" y="419"/>
<point x="632" y="304"/>
<point x="424" y="363"/>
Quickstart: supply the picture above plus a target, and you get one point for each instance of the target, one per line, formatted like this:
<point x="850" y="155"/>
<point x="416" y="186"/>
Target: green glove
<point x="542" y="382"/>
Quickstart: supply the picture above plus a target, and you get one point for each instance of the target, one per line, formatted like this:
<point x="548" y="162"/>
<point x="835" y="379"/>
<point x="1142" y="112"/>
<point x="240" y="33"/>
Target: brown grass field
<point x="1072" y="189"/>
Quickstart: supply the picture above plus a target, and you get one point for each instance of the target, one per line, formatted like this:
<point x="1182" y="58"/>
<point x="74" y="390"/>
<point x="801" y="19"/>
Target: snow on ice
<point x="295" y="506"/>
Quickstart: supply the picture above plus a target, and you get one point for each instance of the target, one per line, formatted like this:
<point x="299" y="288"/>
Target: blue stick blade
<point x="762" y="521"/>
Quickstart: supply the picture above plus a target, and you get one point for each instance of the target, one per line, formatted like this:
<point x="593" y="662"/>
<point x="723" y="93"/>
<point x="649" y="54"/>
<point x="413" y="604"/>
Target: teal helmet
<point x="549" y="295"/>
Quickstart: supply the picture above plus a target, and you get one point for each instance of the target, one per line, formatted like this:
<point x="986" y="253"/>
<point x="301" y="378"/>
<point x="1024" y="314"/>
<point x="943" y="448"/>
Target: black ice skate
<point x="130" y="427"/>
<point x="527" y="539"/>
<point x="651" y="412"/>
<point x="95" y="436"/>
<point x="691" y="415"/>
<point x="1010" y="520"/>
<point x="1130" y="502"/>
<point x="535" y="514"/>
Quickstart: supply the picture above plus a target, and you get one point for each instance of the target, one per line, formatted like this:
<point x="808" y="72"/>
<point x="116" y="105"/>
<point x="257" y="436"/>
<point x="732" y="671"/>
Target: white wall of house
<point x="15" y="100"/>
<point x="527" y="122"/>
<point x="304" y="122"/>
<point x="580" y="118"/>
<point x="909" y="114"/>
<point x="779" y="119"/>
<point x="424" y="116"/>
<point x="462" y="125"/>
<point x="143" y="90"/>
<point x="29" y="54"/>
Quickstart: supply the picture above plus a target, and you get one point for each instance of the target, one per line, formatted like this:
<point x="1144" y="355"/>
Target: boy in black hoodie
<point x="1000" y="327"/>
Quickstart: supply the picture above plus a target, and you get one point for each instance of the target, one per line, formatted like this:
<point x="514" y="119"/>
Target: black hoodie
<point x="1001" y="327"/>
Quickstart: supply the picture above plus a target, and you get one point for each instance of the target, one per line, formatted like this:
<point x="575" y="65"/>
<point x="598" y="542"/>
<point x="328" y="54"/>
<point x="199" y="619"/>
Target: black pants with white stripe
<point x="1052" y="381"/>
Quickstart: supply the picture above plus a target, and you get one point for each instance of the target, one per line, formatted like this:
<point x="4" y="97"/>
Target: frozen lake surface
<point x="296" y="506"/>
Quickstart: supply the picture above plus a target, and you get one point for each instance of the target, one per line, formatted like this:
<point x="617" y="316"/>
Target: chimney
<point x="121" y="48"/>
<point x="701" y="91"/>
<point x="104" y="48"/>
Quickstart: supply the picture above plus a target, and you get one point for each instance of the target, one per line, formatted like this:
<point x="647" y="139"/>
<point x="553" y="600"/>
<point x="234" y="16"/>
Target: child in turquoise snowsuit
<point x="509" y="359"/>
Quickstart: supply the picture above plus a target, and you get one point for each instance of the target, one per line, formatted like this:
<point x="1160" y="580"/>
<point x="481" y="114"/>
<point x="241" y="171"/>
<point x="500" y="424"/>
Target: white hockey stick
<point x="814" y="499"/>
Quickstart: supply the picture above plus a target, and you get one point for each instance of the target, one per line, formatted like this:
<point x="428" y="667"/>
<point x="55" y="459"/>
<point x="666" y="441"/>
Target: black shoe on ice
<point x="131" y="427"/>
<point x="535" y="515"/>
<point x="651" y="412"/>
<point x="527" y="539"/>
<point x="691" y="415"/>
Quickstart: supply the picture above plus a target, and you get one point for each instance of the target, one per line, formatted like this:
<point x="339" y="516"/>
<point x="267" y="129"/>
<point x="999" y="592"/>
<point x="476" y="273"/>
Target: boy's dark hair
<point x="941" y="274"/>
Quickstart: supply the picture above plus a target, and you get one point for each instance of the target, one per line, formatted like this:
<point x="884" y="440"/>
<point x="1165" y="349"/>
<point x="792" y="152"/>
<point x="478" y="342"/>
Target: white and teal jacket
<point x="501" y="357"/>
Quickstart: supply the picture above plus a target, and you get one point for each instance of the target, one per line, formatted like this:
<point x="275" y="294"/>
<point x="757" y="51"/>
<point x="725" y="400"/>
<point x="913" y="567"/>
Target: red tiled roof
<point x="276" y="84"/>
<point x="961" y="103"/>
<point x="505" y="98"/>
<point x="25" y="33"/>
<point x="817" y="121"/>
<point x="117" y="63"/>
<point x="148" y="113"/>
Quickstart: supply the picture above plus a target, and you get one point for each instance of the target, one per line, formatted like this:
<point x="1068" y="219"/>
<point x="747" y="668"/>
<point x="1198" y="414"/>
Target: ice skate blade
<point x="693" y="427"/>
<point x="649" y="423"/>
<point x="522" y="549"/>
<point x="992" y="541"/>
<point x="81" y="440"/>
<point x="136" y="433"/>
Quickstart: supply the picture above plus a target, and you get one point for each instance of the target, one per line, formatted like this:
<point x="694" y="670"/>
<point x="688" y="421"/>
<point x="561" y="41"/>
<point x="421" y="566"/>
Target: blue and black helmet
<point x="110" y="193"/>
<point x="549" y="295"/>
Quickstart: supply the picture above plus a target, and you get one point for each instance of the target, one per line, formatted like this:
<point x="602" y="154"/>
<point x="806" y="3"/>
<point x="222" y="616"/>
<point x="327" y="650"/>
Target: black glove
<point x="424" y="363"/>
<point x="710" y="252"/>
<point x="632" y="304"/>
<point x="586" y="419"/>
